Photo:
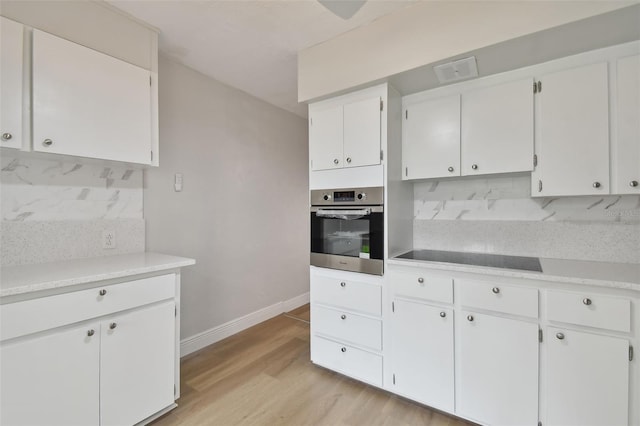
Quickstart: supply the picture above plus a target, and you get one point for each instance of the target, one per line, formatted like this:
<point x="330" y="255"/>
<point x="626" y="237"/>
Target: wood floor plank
<point x="264" y="376"/>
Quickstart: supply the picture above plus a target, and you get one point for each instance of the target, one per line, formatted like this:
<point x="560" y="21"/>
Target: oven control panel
<point x="368" y="196"/>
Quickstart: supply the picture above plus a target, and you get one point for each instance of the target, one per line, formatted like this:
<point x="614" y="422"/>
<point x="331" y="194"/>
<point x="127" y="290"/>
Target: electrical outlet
<point x="108" y="239"/>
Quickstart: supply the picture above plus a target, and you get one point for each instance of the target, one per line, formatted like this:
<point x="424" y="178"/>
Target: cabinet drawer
<point x="346" y="326"/>
<point x="513" y="300"/>
<point x="592" y="310"/>
<point x="420" y="285"/>
<point x="356" y="363"/>
<point x="31" y="316"/>
<point x="353" y="295"/>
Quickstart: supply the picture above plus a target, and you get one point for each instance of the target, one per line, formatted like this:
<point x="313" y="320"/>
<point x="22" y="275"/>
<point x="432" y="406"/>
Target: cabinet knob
<point x="420" y="280"/>
<point x="495" y="290"/>
<point x="348" y="159"/>
<point x="443" y="314"/>
<point x="343" y="316"/>
<point x="102" y="292"/>
<point x="474" y="166"/>
<point x="335" y="161"/>
<point x="343" y="349"/>
<point x="596" y="184"/>
<point x="470" y="317"/>
<point x="113" y="325"/>
<point x="90" y="332"/>
<point x="6" y="136"/>
<point x="560" y="336"/>
<point x="633" y="183"/>
<point x="47" y="142"/>
<point x="343" y="284"/>
<point x="586" y="301"/>
<point x="450" y="169"/>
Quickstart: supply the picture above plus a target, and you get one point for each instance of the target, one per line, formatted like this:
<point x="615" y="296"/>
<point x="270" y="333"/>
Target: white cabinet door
<point x="498" y="370"/>
<point x="497" y="129"/>
<point x="326" y="138"/>
<point x="587" y="379"/>
<point x="137" y="364"/>
<point x="11" y="41"/>
<point x="89" y="104"/>
<point x="423" y="354"/>
<point x="362" y="133"/>
<point x="572" y="139"/>
<point x="626" y="152"/>
<point x="431" y="139"/>
<point x="51" y="379"/>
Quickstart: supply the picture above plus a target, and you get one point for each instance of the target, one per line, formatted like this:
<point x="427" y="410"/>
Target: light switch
<point x="178" y="182"/>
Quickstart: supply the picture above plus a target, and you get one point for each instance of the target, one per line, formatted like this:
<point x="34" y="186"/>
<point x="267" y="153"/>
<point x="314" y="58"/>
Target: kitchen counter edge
<point x="23" y="279"/>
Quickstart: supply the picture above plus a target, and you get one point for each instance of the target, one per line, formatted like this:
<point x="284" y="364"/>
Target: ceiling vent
<point x="457" y="70"/>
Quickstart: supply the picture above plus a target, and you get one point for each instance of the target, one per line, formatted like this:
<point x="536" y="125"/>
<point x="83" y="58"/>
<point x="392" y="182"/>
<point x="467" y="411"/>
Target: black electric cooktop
<point x="478" y="259"/>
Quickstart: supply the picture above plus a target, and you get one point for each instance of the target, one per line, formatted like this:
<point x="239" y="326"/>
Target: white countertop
<point x="23" y="279"/>
<point x="602" y="274"/>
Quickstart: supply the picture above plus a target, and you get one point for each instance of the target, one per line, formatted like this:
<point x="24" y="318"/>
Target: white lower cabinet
<point x="115" y="367"/>
<point x="423" y="353"/>
<point x="587" y="379"/>
<point x="52" y="379"/>
<point x="346" y="327"/>
<point x="498" y="370"/>
<point x="137" y="364"/>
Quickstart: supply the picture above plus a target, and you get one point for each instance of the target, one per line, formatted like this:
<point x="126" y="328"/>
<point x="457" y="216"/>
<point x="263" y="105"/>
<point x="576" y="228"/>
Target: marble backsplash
<point x="497" y="215"/>
<point x="55" y="210"/>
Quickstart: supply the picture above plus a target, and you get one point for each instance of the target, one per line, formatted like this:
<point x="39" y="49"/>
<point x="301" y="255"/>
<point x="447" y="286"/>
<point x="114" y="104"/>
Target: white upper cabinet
<point x="362" y="133"/>
<point x="11" y="77"/>
<point x="325" y="135"/>
<point x="625" y="159"/>
<point x="431" y="138"/>
<point x="572" y="134"/>
<point x="88" y="104"/>
<point x="497" y="129"/>
<point x="345" y="134"/>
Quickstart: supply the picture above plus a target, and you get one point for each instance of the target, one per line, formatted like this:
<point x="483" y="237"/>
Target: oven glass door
<point x="355" y="232"/>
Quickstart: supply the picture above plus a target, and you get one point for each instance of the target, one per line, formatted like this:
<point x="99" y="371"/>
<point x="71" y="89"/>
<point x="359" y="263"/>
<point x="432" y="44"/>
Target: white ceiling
<point x="249" y="44"/>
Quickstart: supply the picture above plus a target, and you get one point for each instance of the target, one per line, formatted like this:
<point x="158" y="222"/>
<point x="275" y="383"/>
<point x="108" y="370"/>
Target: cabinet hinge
<point x="381" y="155"/>
<point x="539" y="186"/>
<point x="537" y="86"/>
<point x="394" y="379"/>
<point x="175" y="311"/>
<point x="174" y="389"/>
<point x="406" y="114"/>
<point x="630" y="353"/>
<point x="311" y="121"/>
<point x="150" y="81"/>
<point x="393" y="307"/>
<point x="539" y="335"/>
<point x="406" y="171"/>
<point x="381" y="104"/>
<point x="535" y="160"/>
<point x="539" y="423"/>
<point x="151" y="155"/>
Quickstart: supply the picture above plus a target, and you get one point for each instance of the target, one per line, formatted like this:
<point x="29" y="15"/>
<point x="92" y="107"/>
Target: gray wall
<point x="243" y="211"/>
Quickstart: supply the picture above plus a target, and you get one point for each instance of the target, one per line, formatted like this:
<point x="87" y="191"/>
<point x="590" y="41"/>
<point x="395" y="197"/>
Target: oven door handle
<point x="344" y="214"/>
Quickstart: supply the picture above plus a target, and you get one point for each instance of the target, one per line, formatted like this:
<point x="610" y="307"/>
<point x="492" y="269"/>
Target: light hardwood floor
<point x="263" y="376"/>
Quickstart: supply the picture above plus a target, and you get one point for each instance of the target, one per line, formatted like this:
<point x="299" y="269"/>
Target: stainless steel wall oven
<point x="347" y="229"/>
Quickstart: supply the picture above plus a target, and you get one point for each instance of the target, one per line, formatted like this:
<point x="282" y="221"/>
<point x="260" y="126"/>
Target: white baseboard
<point x="215" y="334"/>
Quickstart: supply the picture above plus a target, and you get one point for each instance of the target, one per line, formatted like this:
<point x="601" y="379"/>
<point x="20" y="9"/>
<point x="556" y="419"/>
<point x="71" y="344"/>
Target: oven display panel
<point x="344" y="196"/>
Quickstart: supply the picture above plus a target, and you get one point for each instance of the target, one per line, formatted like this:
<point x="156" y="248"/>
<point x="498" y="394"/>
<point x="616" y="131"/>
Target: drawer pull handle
<point x="343" y="316"/>
<point x="586" y="301"/>
<point x="560" y="336"/>
<point x="47" y="142"/>
<point x="420" y="280"/>
<point x="102" y="292"/>
<point x="495" y="290"/>
<point x="343" y="349"/>
<point x="443" y="314"/>
<point x="113" y="325"/>
<point x="90" y="333"/>
<point x="6" y="136"/>
<point x="343" y="284"/>
<point x="470" y="317"/>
